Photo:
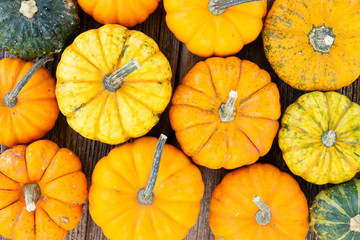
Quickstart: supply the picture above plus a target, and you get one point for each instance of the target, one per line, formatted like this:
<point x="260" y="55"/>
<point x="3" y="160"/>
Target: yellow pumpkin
<point x="319" y="137"/>
<point x="113" y="84"/>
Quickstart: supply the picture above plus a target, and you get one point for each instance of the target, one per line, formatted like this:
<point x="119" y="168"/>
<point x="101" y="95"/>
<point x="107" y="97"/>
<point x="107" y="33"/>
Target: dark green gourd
<point x="335" y="213"/>
<point x="35" y="28"/>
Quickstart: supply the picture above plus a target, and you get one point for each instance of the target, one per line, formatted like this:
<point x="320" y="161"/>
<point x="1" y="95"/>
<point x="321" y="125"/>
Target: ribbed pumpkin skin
<point x="332" y="210"/>
<point x="45" y="33"/>
<point x="112" y="116"/>
<point x="300" y="137"/>
<point x="36" y="110"/>
<point x="63" y="191"/>
<point x="232" y="210"/>
<point x="123" y="12"/>
<point x="206" y="34"/>
<point x="117" y="179"/>
<point x="194" y="113"/>
<point x="288" y="49"/>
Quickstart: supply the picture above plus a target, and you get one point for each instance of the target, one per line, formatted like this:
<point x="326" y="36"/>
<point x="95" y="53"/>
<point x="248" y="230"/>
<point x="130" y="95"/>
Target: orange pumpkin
<point x="123" y="12"/>
<point x="221" y="131"/>
<point x="215" y="27"/>
<point x="258" y="202"/>
<point x="42" y="190"/>
<point x="313" y="44"/>
<point x="28" y="107"/>
<point x="133" y="196"/>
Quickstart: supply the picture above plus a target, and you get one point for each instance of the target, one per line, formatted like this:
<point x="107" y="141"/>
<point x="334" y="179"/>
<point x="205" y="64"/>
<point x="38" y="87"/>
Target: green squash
<point x="35" y="28"/>
<point x="335" y="213"/>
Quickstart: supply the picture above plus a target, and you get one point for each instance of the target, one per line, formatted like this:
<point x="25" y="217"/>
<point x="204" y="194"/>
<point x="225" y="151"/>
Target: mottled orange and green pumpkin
<point x="335" y="213"/>
<point x="113" y="84"/>
<point x="212" y="137"/>
<point x="319" y="137"/>
<point x="313" y="44"/>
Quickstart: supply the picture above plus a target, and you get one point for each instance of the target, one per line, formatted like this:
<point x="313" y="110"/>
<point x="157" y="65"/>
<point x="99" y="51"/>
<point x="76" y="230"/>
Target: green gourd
<point x="35" y="28"/>
<point x="335" y="213"/>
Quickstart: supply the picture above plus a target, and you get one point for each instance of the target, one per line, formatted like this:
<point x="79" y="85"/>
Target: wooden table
<point x="181" y="61"/>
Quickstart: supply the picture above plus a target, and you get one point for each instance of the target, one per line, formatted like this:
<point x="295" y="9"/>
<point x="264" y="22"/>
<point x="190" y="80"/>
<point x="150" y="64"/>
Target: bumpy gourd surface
<point x="332" y="210"/>
<point x="232" y="210"/>
<point x="194" y="113"/>
<point x="118" y="177"/>
<point x="132" y="110"/>
<point x="36" y="110"/>
<point x="206" y="34"/>
<point x="300" y="137"/>
<point x="45" y="33"/>
<point x="124" y="12"/>
<point x="63" y="191"/>
<point x="293" y="58"/>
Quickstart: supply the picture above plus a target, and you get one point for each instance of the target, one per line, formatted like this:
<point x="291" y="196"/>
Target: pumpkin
<point x="335" y="212"/>
<point x="312" y="44"/>
<point x="215" y="27"/>
<point x="42" y="190"/>
<point x="258" y="202"/>
<point x="123" y="12"/>
<point x="113" y="84"/>
<point x="28" y="107"/>
<point x="35" y="28"/>
<point x="319" y="137"/>
<point x="225" y="113"/>
<point x="134" y="196"/>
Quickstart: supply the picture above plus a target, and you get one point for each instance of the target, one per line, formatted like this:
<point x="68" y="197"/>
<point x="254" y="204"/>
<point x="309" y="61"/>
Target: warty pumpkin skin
<point x="335" y="213"/>
<point x="258" y="202"/>
<point x="209" y="136"/>
<point x="36" y="28"/>
<point x="118" y="202"/>
<point x="113" y="84"/>
<point x="42" y="190"/>
<point x="319" y="137"/>
<point x="123" y="12"/>
<point x="30" y="113"/>
<point x="216" y="27"/>
<point x="313" y="44"/>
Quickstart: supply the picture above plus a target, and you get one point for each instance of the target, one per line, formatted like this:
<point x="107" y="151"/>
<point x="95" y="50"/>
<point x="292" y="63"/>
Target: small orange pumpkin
<point x="215" y="27"/>
<point x="133" y="196"/>
<point x="123" y="12"/>
<point x="221" y="131"/>
<point x="42" y="190"/>
<point x="28" y="107"/>
<point x="258" y="202"/>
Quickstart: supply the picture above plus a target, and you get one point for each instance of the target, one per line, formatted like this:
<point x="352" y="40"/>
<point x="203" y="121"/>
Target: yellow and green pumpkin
<point x="319" y="137"/>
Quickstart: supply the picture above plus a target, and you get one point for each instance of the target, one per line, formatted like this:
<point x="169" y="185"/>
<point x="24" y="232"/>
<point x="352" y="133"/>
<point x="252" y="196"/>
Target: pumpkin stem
<point x="328" y="138"/>
<point x="32" y="194"/>
<point x="218" y="7"/>
<point x="10" y="99"/>
<point x="114" y="81"/>
<point x="355" y="223"/>
<point x="227" y="111"/>
<point x="28" y="8"/>
<point x="263" y="216"/>
<point x="321" y="39"/>
<point x="146" y="196"/>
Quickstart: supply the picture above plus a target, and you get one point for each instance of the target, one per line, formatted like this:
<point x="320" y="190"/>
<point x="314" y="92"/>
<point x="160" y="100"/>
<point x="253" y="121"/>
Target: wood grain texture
<point x="181" y="61"/>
